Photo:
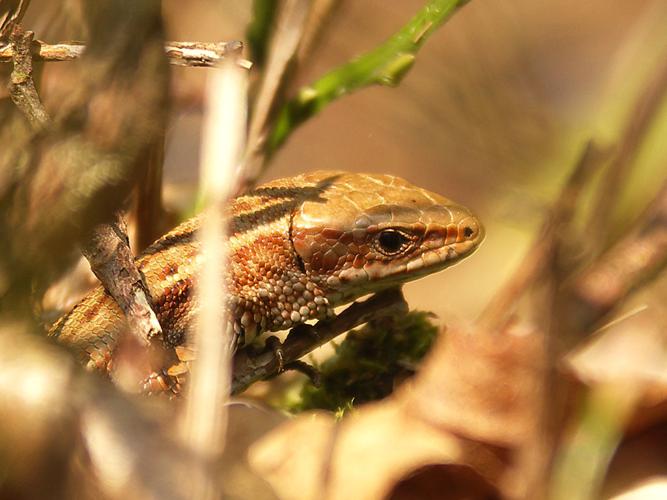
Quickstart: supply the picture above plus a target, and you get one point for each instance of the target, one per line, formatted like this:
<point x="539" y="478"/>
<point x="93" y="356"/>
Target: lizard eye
<point x="391" y="242"/>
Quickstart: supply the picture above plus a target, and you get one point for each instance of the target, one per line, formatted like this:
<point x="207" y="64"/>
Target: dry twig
<point x="107" y="250"/>
<point x="568" y="316"/>
<point x="11" y="13"/>
<point x="206" y="54"/>
<point x="22" y="87"/>
<point x="110" y="257"/>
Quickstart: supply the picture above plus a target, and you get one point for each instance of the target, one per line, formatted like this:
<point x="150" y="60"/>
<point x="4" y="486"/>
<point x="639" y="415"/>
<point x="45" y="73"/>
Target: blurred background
<point x="493" y="114"/>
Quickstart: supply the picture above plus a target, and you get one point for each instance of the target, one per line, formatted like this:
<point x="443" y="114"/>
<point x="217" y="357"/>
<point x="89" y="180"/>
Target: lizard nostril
<point x="468" y="231"/>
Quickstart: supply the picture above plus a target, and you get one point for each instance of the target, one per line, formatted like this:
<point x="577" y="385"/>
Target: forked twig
<point x="250" y="367"/>
<point x="22" y="87"/>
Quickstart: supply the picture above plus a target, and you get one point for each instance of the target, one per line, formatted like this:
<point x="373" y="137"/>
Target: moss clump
<point x="369" y="363"/>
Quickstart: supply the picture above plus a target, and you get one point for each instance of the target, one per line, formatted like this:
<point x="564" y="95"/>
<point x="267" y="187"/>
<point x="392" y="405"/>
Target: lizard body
<point x="298" y="247"/>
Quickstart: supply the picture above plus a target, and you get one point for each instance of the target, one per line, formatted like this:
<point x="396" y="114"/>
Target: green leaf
<point x="384" y="65"/>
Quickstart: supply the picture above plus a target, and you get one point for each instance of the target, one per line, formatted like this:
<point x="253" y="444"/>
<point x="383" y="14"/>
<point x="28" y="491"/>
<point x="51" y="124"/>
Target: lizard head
<point x="365" y="233"/>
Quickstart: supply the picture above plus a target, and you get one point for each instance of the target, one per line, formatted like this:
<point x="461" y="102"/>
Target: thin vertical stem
<point x="222" y="145"/>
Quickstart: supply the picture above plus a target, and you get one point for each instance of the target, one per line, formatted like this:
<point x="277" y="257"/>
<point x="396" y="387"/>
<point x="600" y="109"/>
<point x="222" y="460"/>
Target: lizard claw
<point x="300" y="366"/>
<point x="309" y="370"/>
<point x="276" y="346"/>
<point x="160" y="382"/>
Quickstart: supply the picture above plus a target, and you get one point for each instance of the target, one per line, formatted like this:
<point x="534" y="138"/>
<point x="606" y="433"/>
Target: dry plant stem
<point x="536" y="456"/>
<point x="149" y="196"/>
<point x="629" y="264"/>
<point x="545" y="262"/>
<point x="22" y="87"/>
<point x="641" y="117"/>
<point x="284" y="45"/>
<point x="298" y="26"/>
<point x="223" y="141"/>
<point x="111" y="259"/>
<point x="11" y="13"/>
<point x="205" y="54"/>
<point x="251" y="367"/>
<point x="501" y="308"/>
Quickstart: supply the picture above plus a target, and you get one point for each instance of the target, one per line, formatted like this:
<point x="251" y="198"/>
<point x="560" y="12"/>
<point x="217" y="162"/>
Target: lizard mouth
<point x="430" y="261"/>
<point x="433" y="255"/>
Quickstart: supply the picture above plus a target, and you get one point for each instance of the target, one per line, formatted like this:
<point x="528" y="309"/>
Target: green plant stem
<point x="384" y="65"/>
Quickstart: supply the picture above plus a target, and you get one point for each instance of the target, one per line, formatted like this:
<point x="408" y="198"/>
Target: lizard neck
<point x="269" y="287"/>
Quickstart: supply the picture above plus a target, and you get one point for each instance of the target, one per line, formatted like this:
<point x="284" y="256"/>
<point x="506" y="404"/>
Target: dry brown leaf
<point x="292" y="457"/>
<point x="481" y="386"/>
<point x="458" y="481"/>
<point x="639" y="468"/>
<point x="472" y="404"/>
<point x="458" y="423"/>
<point x="632" y="350"/>
<point x="362" y="456"/>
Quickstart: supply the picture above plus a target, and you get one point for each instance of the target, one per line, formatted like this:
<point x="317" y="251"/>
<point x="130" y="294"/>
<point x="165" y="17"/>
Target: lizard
<point x="298" y="247"/>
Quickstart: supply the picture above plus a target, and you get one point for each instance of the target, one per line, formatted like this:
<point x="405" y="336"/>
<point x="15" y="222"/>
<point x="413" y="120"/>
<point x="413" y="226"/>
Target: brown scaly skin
<point x="298" y="248"/>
